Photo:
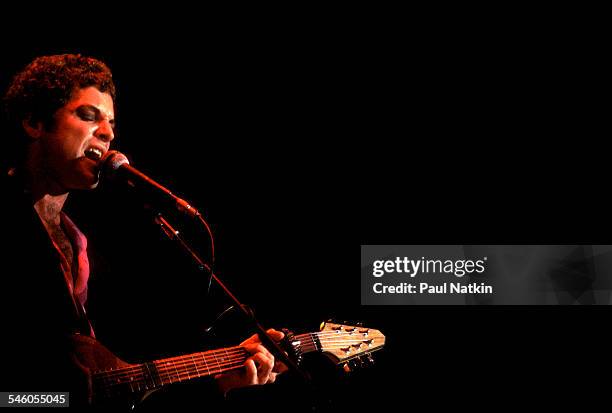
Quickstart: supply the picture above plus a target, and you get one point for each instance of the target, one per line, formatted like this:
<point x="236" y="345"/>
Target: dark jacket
<point x="38" y="313"/>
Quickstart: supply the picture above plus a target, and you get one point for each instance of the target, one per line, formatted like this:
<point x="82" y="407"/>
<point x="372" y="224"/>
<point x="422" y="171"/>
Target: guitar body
<point x="91" y="356"/>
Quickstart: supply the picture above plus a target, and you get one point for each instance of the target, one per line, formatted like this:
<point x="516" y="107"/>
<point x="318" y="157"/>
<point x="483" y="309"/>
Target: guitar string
<point x="229" y="364"/>
<point x="327" y="333"/>
<point x="343" y="347"/>
<point x="187" y="359"/>
<point x="338" y="338"/>
<point x="140" y="382"/>
<point x="352" y="341"/>
<point x="165" y="378"/>
<point x="165" y="366"/>
<point x="201" y="363"/>
<point x="180" y="359"/>
<point x="321" y="336"/>
<point x="170" y="377"/>
<point x="192" y="373"/>
<point x="192" y="367"/>
<point x="333" y="334"/>
<point x="165" y="371"/>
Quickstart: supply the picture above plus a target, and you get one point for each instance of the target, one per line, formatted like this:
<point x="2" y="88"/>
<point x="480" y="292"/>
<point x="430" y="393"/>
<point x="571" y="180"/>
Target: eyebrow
<point x="98" y="112"/>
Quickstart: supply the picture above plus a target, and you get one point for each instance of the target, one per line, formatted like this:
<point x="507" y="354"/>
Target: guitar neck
<point x="343" y="342"/>
<point x="137" y="378"/>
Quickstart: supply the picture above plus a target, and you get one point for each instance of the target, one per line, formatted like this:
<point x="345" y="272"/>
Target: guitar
<point x="113" y="379"/>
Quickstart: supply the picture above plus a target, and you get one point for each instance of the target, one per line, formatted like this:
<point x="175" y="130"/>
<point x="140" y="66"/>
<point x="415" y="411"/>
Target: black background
<point x="300" y="141"/>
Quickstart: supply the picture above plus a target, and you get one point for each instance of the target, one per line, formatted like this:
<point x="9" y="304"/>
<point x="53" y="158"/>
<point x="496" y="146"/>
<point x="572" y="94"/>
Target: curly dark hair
<point x="47" y="84"/>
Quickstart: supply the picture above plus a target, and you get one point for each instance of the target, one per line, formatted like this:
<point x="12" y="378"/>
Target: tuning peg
<point x="367" y="360"/>
<point x="346" y="368"/>
<point x="370" y="359"/>
<point x="328" y="321"/>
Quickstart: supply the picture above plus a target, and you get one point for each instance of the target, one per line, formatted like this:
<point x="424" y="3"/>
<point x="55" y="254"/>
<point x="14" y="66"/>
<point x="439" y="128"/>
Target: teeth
<point x="93" y="153"/>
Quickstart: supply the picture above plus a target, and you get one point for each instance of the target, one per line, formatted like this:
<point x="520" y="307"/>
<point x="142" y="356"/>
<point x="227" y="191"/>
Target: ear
<point x="33" y="129"/>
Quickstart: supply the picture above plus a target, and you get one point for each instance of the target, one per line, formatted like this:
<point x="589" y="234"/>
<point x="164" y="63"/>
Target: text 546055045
<point x="33" y="399"/>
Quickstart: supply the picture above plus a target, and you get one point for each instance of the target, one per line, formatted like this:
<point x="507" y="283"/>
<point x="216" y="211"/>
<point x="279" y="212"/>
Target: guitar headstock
<point x="345" y="342"/>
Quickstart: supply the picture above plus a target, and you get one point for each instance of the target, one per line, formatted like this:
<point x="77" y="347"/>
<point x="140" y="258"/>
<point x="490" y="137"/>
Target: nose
<point x="105" y="132"/>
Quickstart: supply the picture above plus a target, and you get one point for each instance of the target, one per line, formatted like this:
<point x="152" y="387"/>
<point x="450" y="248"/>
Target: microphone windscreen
<point x="113" y="160"/>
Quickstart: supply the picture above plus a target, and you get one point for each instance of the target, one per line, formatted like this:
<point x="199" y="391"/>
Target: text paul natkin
<point x="434" y="269"/>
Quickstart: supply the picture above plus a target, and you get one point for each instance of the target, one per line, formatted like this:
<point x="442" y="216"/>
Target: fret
<point x="165" y="370"/>
<point x="178" y="376"/>
<point x="170" y="371"/>
<point x="146" y="376"/>
<point x="196" y="366"/>
<point x="117" y="381"/>
<point x="205" y="363"/>
<point x="185" y="366"/>
<point x="159" y="373"/>
<point x="227" y="356"/>
<point x="151" y="374"/>
<point x="216" y="361"/>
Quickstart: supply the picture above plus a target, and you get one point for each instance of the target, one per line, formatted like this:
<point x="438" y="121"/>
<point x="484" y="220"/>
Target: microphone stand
<point x="273" y="347"/>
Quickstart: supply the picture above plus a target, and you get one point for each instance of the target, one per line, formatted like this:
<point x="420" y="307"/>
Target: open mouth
<point x="95" y="154"/>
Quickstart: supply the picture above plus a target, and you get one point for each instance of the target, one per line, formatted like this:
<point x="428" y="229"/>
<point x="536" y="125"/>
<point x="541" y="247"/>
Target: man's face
<point x="81" y="135"/>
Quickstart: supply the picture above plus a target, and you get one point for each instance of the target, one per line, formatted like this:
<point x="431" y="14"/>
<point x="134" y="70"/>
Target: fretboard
<point x="138" y="378"/>
<point x="150" y="376"/>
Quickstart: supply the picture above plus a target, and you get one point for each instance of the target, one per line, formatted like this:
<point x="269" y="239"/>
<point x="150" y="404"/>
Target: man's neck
<point x="47" y="194"/>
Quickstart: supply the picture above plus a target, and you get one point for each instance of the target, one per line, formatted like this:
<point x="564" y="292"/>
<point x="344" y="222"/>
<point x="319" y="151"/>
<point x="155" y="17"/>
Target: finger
<point x="264" y="367"/>
<point x="275" y="334"/>
<point x="255" y="338"/>
<point x="280" y="367"/>
<point x="251" y="340"/>
<point x="250" y="371"/>
<point x="272" y="378"/>
<point x="258" y="348"/>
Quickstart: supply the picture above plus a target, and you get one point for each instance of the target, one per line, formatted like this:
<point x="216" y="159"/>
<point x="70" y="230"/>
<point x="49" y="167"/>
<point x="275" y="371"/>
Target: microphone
<point x="115" y="166"/>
